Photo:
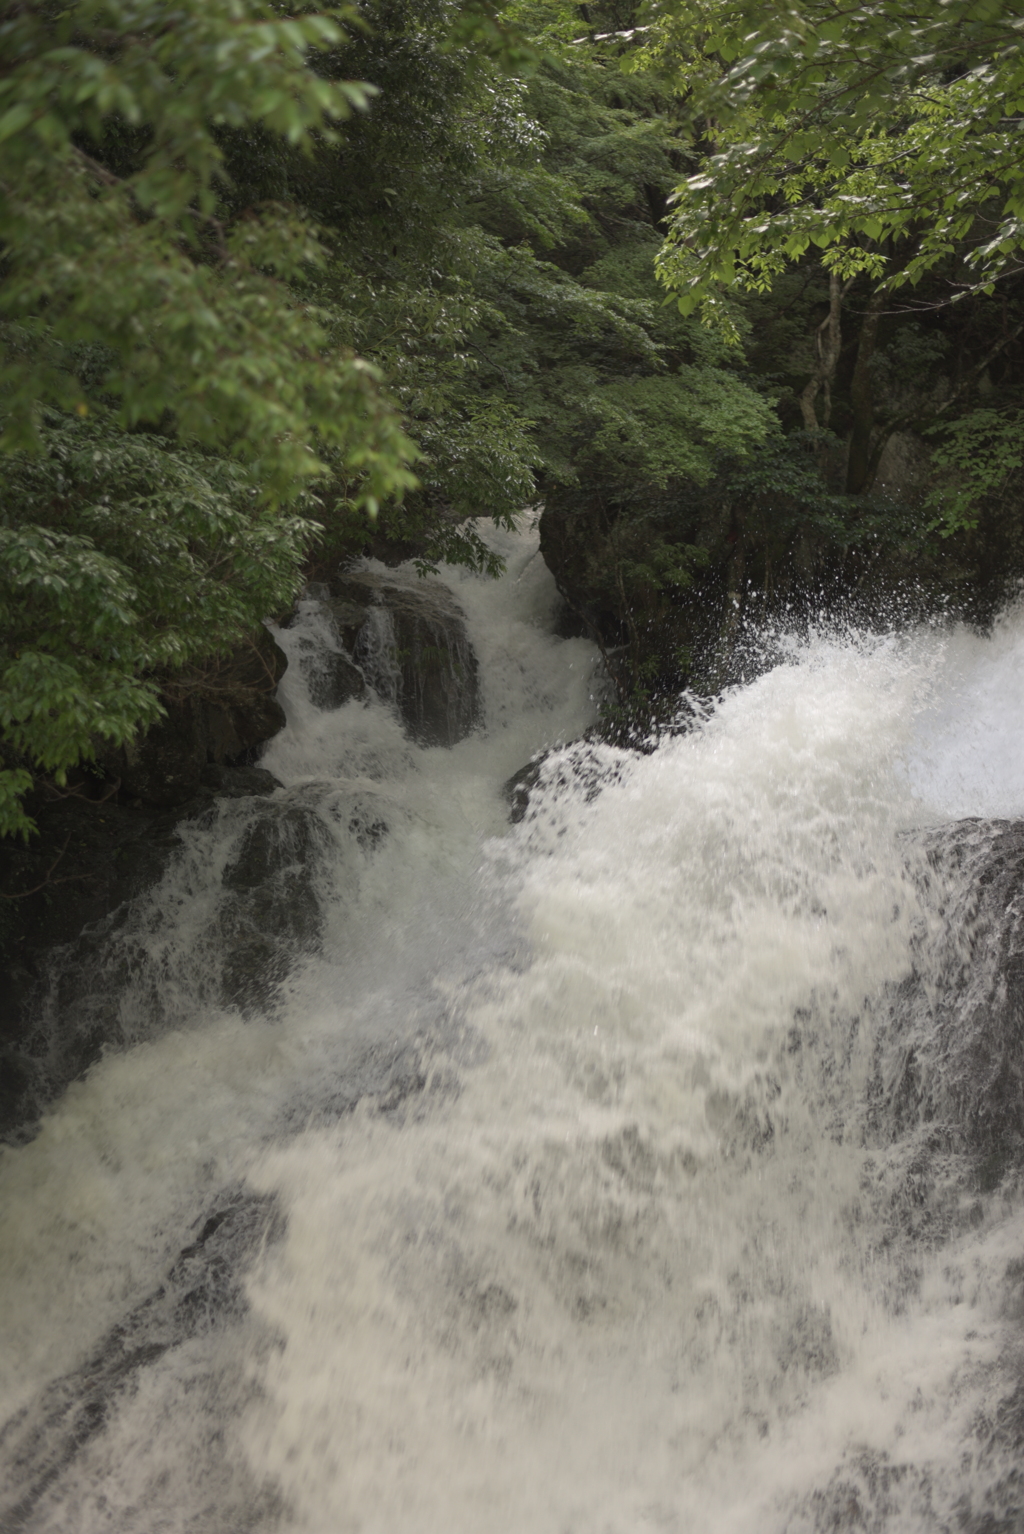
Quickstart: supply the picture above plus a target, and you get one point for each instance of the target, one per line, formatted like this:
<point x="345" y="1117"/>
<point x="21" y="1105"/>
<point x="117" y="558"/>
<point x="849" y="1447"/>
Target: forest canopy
<point x="281" y="289"/>
<point x="887" y="136"/>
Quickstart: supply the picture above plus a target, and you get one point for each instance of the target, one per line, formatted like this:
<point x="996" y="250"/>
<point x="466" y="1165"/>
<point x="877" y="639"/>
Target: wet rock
<point x="364" y="819"/>
<point x="348" y="617"/>
<point x="409" y="639"/>
<point x="69" y="895"/>
<point x="950" y="1054"/>
<point x="335" y="680"/>
<point x="519" y="787"/>
<point x="404" y="637"/>
<point x="271" y="913"/>
<point x="583" y="768"/>
<point x="162" y="767"/>
<point x="202" y="1292"/>
<point x="238" y="782"/>
<point x="256" y="666"/>
<point x="236" y="724"/>
<point x="284" y="838"/>
<point x="221" y="715"/>
<point x="331" y="675"/>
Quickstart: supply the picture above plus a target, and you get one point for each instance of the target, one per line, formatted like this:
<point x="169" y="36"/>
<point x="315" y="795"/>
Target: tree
<point x="132" y="298"/>
<point x="878" y="147"/>
<point x="884" y="135"/>
<point x="187" y="305"/>
<point x="493" y="244"/>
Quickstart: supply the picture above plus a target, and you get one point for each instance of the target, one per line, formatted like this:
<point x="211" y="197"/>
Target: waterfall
<point x="615" y="1171"/>
<point x="377" y="654"/>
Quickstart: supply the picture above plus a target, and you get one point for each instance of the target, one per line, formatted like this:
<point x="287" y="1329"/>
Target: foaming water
<point x="968" y="757"/>
<point x="622" y="1250"/>
<point x="566" y="1127"/>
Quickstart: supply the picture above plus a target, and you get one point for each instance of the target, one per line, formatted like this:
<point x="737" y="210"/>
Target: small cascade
<point x="255" y="872"/>
<point x="377" y="653"/>
<point x="330" y="673"/>
<point x="402" y="636"/>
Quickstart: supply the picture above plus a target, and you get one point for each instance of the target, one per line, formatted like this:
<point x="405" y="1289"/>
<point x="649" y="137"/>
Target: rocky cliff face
<point x="678" y="584"/>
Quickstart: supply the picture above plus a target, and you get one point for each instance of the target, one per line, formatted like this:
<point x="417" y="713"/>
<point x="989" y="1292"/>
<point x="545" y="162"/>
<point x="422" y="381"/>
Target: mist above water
<point x="968" y="752"/>
<point x="566" y="1128"/>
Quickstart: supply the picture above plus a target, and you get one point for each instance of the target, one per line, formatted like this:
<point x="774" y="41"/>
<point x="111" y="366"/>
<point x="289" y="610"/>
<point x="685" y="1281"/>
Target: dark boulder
<point x="335" y="680"/>
<point x="270" y="913"/>
<point x="414" y="644"/>
<point x="221" y="715"/>
<point x="519" y="787"/>
<point x="65" y="914"/>
<point x="162" y="766"/>
<point x="581" y="769"/>
<point x="236" y="724"/>
<point x="328" y="669"/>
<point x="348" y="617"/>
<point x="406" y="638"/>
<point x="237" y="707"/>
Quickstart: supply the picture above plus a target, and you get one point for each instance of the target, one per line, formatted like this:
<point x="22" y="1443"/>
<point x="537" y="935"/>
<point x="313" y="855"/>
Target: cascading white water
<point x="565" y="1128"/>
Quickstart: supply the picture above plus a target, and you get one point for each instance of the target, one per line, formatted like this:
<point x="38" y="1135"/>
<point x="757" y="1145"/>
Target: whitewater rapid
<point x="563" y="1127"/>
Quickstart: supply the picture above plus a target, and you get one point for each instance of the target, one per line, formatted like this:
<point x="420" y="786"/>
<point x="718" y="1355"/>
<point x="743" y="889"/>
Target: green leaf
<point x="15" y="118"/>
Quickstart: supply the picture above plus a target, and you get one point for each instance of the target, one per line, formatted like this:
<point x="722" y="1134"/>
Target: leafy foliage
<point x="245" y="300"/>
<point x="886" y="137"/>
<point x="135" y="556"/>
<point x="519" y="318"/>
<point x="979" y="459"/>
<point x="185" y="302"/>
<point x="131" y="297"/>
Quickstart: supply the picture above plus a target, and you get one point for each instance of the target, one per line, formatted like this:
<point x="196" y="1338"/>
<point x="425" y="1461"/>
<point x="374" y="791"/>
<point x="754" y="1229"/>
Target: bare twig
<point x="99" y="171"/>
<point x="46" y="880"/>
<point x="54" y="793"/>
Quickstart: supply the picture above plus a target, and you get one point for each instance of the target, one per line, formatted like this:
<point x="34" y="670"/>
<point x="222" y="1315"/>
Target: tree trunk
<point x="827" y="343"/>
<point x="861" y="463"/>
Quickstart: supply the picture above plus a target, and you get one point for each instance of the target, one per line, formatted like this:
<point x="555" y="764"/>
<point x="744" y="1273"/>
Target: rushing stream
<point x="563" y="1186"/>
